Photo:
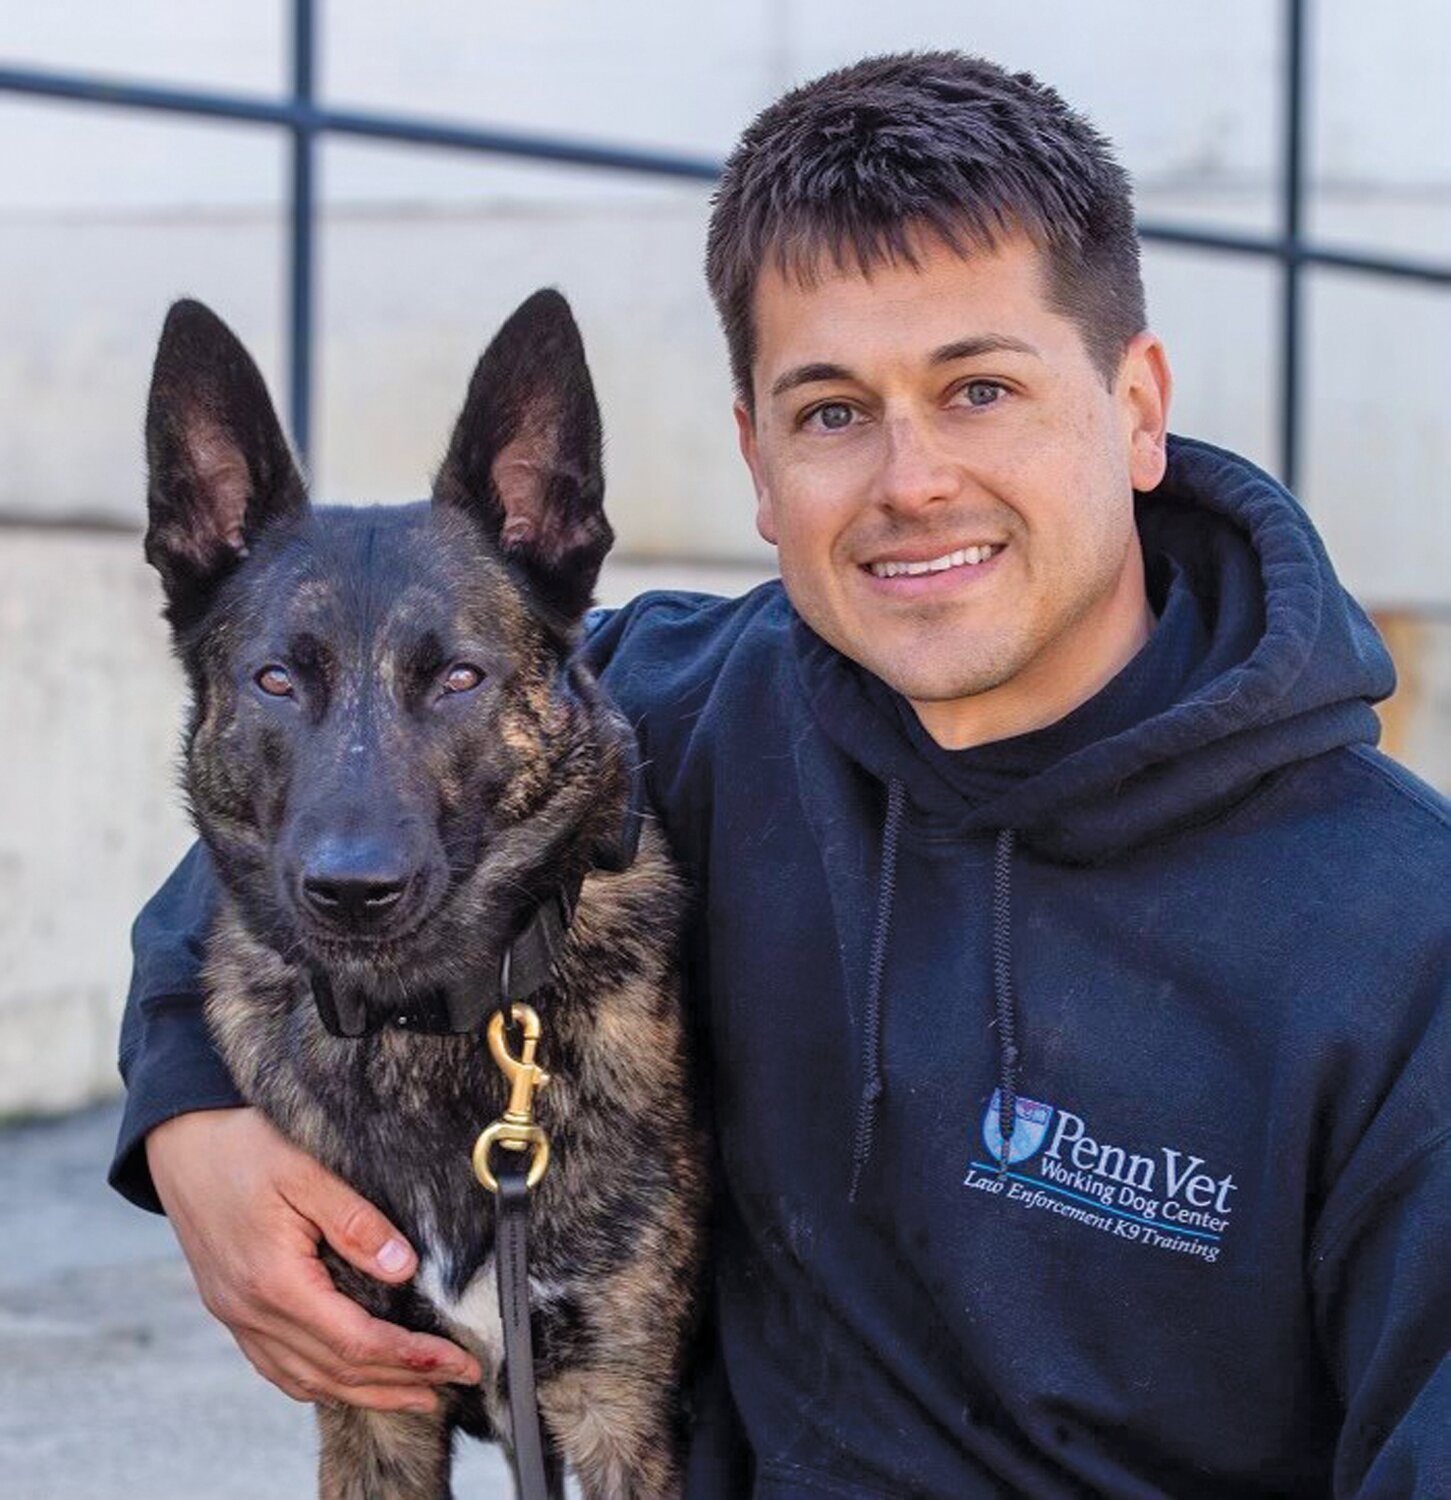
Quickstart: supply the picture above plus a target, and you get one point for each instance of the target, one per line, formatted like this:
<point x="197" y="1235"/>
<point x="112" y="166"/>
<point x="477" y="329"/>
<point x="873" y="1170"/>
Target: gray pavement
<point x="115" y="1384"/>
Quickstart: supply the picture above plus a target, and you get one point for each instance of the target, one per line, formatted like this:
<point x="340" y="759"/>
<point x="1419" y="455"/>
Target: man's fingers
<point x="304" y="1383"/>
<point x="338" y="1334"/>
<point x="302" y="1352"/>
<point x="303" y="1355"/>
<point x="249" y="1209"/>
<point x="350" y="1224"/>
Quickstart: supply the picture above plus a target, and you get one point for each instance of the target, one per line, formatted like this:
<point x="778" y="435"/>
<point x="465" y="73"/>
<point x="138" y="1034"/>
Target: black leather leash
<point x="511" y="1257"/>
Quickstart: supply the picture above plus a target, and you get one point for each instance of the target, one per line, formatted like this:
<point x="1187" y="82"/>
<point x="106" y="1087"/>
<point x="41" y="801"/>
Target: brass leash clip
<point x="515" y="1130"/>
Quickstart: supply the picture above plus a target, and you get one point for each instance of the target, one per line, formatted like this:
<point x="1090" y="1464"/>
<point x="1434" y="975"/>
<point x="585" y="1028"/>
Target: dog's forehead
<point x="391" y="572"/>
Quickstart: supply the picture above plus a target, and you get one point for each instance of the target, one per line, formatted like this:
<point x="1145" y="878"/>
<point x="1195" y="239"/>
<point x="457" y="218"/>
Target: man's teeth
<point x="969" y="555"/>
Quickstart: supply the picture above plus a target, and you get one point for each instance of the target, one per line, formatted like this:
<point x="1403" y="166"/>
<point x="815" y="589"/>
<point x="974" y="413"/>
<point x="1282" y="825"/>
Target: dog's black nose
<point x="354" y="884"/>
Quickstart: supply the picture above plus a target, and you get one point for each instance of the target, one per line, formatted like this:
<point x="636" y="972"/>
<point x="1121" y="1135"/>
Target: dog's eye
<point x="462" y="678"/>
<point x="275" y="681"/>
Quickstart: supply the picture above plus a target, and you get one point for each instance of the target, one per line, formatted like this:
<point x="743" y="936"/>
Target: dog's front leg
<point x="383" y="1455"/>
<point x="615" y="1433"/>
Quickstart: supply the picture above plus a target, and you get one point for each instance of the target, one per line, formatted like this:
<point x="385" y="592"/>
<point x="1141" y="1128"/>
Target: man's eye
<point x="275" y="681"/>
<point x="462" y="677"/>
<point x="831" y="417"/>
<point x="981" y="392"/>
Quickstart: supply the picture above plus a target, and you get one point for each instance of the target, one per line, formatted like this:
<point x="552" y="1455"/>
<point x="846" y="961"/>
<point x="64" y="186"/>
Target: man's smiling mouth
<point x="964" y="557"/>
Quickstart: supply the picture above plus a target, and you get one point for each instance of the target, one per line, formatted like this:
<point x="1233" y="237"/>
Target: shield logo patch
<point x="1030" y="1125"/>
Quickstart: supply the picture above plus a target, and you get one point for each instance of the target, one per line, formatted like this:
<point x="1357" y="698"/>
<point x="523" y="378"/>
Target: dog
<point x="403" y="775"/>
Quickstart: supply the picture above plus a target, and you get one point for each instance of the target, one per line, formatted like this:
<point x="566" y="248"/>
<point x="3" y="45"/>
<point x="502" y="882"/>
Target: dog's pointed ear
<point x="525" y="456"/>
<point x="219" y="468"/>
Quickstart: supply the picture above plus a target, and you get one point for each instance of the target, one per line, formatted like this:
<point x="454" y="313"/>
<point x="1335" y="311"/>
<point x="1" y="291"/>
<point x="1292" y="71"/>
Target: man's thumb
<point x="357" y="1231"/>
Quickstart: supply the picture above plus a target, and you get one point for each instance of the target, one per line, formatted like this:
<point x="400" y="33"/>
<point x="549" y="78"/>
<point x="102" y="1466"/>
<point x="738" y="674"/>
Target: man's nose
<point x="915" y="471"/>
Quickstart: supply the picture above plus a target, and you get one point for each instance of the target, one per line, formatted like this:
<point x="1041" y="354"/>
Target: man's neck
<point x="1055" y="683"/>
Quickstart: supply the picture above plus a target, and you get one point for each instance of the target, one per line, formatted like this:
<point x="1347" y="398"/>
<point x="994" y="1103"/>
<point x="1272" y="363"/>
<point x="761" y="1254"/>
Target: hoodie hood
<point x="1280" y="665"/>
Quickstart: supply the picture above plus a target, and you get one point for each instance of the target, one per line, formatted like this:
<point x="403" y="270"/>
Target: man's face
<point x="950" y="482"/>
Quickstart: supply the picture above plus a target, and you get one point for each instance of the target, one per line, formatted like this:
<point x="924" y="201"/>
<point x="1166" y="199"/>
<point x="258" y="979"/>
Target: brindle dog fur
<point x="391" y="757"/>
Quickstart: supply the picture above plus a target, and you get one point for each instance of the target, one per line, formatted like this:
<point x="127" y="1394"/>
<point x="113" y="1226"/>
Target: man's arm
<point x="249" y="1209"/>
<point x="167" y="1058"/>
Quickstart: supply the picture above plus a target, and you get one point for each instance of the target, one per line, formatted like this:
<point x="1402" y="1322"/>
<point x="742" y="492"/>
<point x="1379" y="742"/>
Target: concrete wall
<point x="104" y="218"/>
<point x="107" y="217"/>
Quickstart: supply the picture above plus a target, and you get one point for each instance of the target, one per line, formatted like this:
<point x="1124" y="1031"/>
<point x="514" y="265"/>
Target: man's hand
<point x="250" y="1209"/>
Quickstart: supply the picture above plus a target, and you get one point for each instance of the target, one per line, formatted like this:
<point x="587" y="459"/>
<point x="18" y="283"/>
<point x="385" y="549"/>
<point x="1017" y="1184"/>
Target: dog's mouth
<point x="399" y="942"/>
<point x="363" y="951"/>
<point x="441" y="976"/>
<point x="378" y="939"/>
<point x="362" y="925"/>
<point x="431" y="939"/>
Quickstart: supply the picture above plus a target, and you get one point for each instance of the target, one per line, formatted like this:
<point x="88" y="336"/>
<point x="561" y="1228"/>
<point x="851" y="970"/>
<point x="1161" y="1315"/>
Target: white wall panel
<point x="81" y="312"/>
<point x="105" y="217"/>
<point x="675" y="76"/>
<point x="1378" y="447"/>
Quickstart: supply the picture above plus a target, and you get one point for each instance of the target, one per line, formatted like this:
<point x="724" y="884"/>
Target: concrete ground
<point x="115" y="1383"/>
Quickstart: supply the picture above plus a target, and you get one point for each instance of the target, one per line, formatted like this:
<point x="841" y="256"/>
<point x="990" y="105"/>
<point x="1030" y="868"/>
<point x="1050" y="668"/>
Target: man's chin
<point x="933" y="682"/>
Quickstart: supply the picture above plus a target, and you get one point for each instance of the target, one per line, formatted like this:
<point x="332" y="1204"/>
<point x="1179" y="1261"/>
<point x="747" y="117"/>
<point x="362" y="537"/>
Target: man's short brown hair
<point x="847" y="168"/>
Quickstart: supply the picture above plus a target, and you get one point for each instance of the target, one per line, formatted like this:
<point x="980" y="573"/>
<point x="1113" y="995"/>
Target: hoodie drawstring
<point x="1004" y="1009"/>
<point x="1006" y="1018"/>
<point x="872" y="1085"/>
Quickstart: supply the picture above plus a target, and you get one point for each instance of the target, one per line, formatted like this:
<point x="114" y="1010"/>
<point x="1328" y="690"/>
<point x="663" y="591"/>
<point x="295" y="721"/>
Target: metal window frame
<point x="307" y="122"/>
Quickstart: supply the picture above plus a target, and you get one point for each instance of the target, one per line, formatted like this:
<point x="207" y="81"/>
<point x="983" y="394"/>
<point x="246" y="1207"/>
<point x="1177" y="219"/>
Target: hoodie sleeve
<point x="166" y="1055"/>
<point x="1383" y="1292"/>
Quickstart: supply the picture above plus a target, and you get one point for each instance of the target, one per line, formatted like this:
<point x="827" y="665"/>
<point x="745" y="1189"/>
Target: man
<point x="1073" y="966"/>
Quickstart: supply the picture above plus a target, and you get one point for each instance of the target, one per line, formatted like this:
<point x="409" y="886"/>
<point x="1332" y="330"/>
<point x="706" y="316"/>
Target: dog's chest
<point x="472" y="1315"/>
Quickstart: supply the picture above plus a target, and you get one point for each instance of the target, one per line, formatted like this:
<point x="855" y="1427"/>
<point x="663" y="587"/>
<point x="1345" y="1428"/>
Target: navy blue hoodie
<point x="1081" y="1099"/>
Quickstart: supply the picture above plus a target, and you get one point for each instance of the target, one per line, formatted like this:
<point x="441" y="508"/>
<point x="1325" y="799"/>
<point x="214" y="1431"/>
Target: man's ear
<point x="1144" y="388"/>
<point x="525" y="459"/>
<point x="219" y="469"/>
<point x="750" y="451"/>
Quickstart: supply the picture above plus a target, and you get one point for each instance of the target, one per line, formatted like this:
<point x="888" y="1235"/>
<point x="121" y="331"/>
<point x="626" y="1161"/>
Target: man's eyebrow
<point x="985" y="343"/>
<point x="809" y="375"/>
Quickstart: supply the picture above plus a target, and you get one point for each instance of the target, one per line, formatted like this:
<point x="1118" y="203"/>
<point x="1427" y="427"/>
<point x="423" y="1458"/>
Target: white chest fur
<point x="473" y="1317"/>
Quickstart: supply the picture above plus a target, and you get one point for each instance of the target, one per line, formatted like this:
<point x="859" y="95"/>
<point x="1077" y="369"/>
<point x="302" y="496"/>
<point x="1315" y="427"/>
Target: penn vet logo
<point x="1165" y="1198"/>
<point x="1030" y="1129"/>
